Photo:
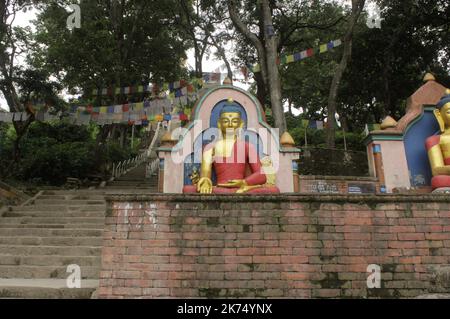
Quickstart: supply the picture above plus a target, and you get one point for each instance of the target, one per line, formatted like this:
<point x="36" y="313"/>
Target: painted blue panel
<point x="416" y="153"/>
<point x="377" y="148"/>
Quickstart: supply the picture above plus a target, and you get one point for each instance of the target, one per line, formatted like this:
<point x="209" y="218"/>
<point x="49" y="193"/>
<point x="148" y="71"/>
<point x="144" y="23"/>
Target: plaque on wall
<point x="361" y="188"/>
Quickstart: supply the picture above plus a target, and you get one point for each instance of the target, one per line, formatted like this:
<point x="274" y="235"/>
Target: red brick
<point x="266" y="243"/>
<point x="126" y="291"/>
<point x="357" y="236"/>
<point x="294" y="259"/>
<point x="402" y="229"/>
<point x="238" y="259"/>
<point x="249" y="251"/>
<point x="410" y="260"/>
<point x="278" y="251"/>
<point x="437" y="236"/>
<point x="411" y="236"/>
<point x="326" y="293"/>
<point x="156" y="292"/>
<point x="402" y="244"/>
<point x="430" y="228"/>
<point x="266" y="259"/>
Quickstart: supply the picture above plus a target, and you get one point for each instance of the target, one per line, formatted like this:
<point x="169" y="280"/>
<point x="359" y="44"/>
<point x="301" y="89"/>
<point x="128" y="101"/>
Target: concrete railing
<point x="123" y="167"/>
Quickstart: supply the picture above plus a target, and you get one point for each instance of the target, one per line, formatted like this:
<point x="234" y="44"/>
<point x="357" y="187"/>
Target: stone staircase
<point x="38" y="241"/>
<point x="135" y="179"/>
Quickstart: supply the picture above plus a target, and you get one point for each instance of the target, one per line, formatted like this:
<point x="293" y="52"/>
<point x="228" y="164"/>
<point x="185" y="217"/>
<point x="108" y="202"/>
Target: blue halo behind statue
<point x="445" y="99"/>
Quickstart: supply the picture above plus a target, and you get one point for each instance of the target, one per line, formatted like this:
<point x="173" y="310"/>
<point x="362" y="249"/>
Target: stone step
<point x="39" y="272"/>
<point x="45" y="293"/>
<point x="61" y="208"/>
<point x="53" y="226"/>
<point x="72" y="197"/>
<point x="127" y="183"/>
<point x="52" y="241"/>
<point x="56" y="202"/>
<point x="78" y="192"/>
<point x="97" y="214"/>
<point x="17" y="250"/>
<point x="46" y="232"/>
<point x="119" y="187"/>
<point x="52" y="220"/>
<point x="43" y="260"/>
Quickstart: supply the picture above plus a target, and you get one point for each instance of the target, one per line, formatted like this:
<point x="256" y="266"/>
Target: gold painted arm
<point x="204" y="185"/>
<point x="437" y="161"/>
<point x="443" y="170"/>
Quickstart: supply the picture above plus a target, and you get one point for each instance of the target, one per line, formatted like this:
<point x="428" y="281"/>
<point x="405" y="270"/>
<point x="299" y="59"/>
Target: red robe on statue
<point x="438" y="181"/>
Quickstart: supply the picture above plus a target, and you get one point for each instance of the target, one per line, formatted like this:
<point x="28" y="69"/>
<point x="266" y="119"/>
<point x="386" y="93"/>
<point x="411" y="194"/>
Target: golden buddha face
<point x="443" y="117"/>
<point x="230" y="121"/>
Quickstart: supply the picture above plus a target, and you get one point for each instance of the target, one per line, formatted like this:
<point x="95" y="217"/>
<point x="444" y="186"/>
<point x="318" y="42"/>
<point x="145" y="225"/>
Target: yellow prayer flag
<point x="104" y="109"/>
<point x="323" y="48"/>
<point x="117" y="91"/>
<point x="290" y="59"/>
<point x="139" y="106"/>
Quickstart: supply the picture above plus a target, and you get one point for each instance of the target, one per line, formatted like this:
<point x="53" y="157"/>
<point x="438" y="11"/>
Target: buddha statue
<point x="236" y="163"/>
<point x="438" y="146"/>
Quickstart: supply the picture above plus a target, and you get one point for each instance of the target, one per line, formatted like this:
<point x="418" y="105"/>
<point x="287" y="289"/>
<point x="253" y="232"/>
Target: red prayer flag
<point x="310" y="52"/>
<point x="125" y="108"/>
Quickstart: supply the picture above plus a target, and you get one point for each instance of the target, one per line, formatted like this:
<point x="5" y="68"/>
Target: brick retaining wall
<point x="293" y="246"/>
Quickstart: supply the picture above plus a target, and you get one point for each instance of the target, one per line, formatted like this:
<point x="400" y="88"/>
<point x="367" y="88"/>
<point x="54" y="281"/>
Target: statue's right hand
<point x="204" y="186"/>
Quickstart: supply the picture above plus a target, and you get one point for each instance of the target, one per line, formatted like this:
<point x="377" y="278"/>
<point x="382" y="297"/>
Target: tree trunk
<point x="261" y="92"/>
<point x="267" y="56"/>
<point x="357" y="7"/>
<point x="271" y="45"/>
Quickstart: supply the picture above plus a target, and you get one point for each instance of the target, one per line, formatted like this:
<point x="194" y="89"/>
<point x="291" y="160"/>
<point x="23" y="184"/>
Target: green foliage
<point x="52" y="152"/>
<point x="317" y="138"/>
<point x="116" y="153"/>
<point x="122" y="42"/>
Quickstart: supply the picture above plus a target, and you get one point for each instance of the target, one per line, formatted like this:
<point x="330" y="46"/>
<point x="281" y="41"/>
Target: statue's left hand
<point x="235" y="183"/>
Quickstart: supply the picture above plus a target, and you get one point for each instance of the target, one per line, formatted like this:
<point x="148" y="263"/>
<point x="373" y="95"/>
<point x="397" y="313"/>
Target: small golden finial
<point x="429" y="77"/>
<point x="388" y="122"/>
<point x="447" y="91"/>
<point x="227" y="81"/>
<point x="230" y="100"/>
<point x="168" y="140"/>
<point x="287" y="140"/>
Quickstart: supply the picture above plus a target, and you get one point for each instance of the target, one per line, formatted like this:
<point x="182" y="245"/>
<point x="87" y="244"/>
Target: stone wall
<point x="294" y="246"/>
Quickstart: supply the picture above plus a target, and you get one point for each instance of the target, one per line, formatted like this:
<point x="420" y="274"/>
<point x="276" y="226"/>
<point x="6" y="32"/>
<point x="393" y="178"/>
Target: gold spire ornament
<point x="429" y="77"/>
<point x="287" y="140"/>
<point x="388" y="122"/>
